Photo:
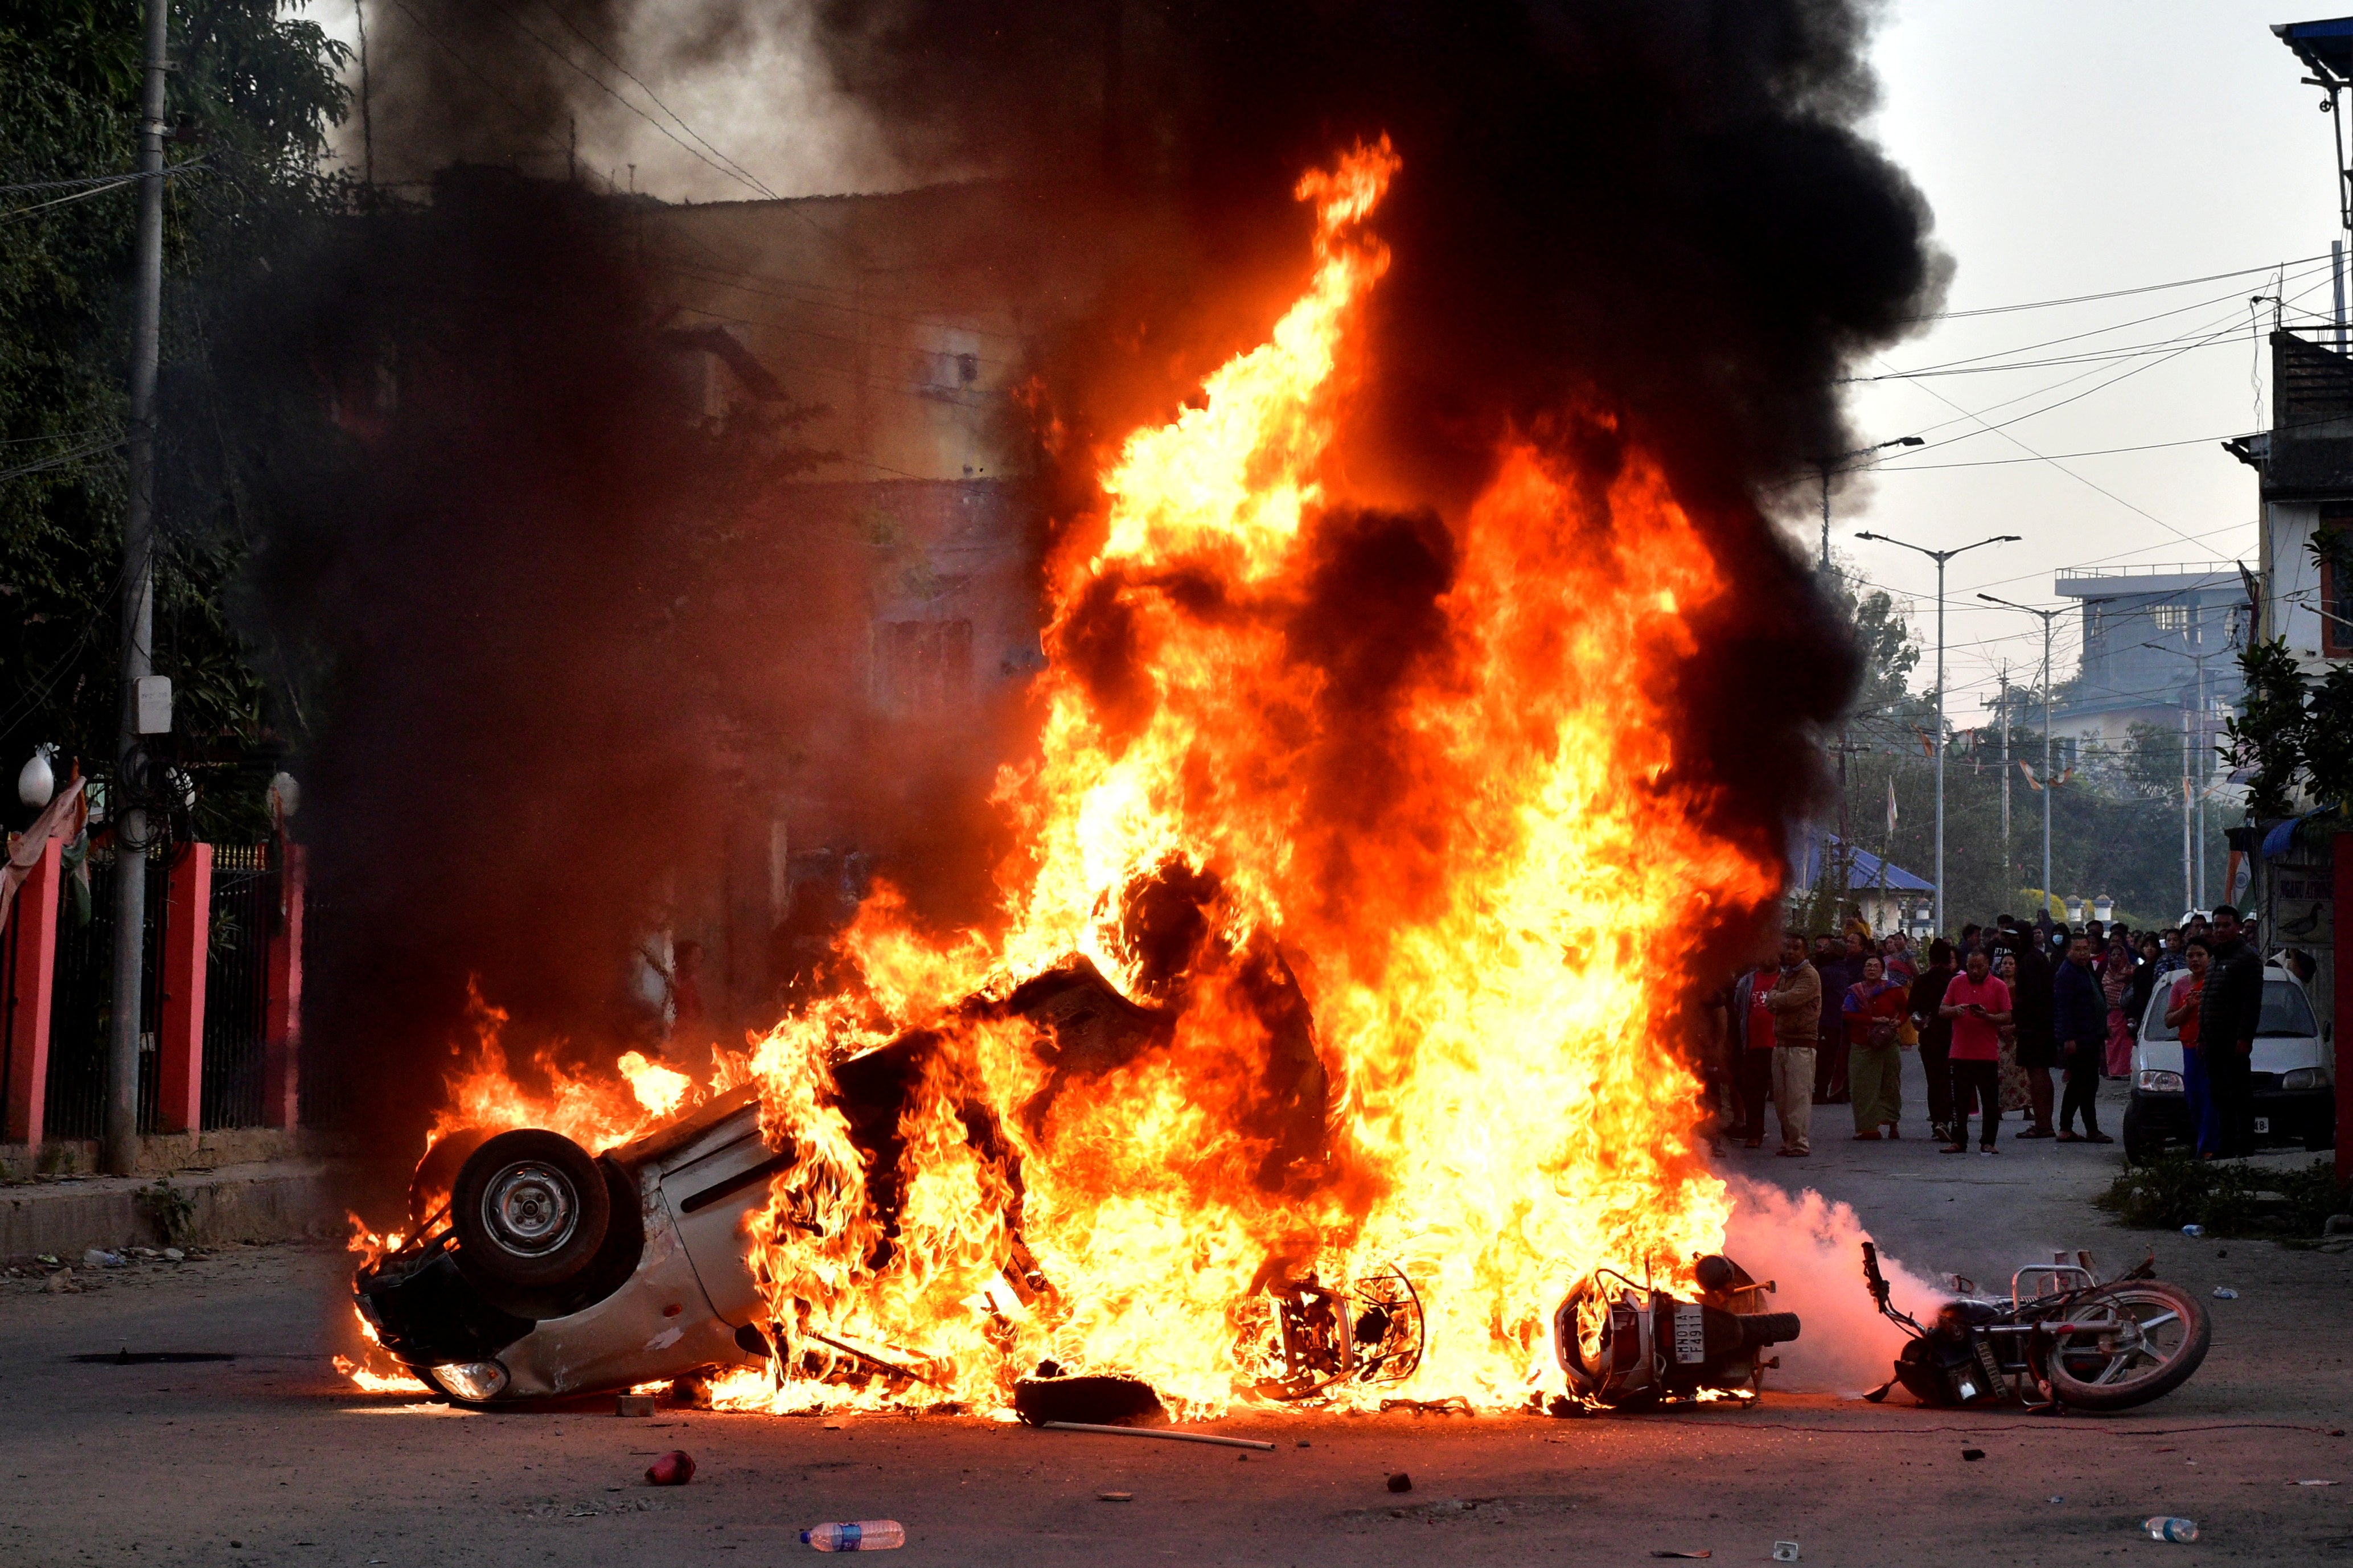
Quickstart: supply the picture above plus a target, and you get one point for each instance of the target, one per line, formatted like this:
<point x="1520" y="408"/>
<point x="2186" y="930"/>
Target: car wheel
<point x="2320" y="1130"/>
<point x="531" y="1210"/>
<point x="2143" y="1142"/>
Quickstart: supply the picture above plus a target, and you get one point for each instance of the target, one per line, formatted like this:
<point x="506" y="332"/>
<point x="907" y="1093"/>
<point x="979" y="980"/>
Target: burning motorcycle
<point x="2061" y="1339"/>
<point x="1627" y="1344"/>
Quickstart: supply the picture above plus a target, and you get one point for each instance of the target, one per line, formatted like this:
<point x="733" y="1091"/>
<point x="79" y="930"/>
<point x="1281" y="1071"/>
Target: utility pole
<point x="2046" y="618"/>
<point x="122" y="1144"/>
<point x="1846" y="839"/>
<point x="1940" y="557"/>
<point x="2003" y="701"/>
<point x="2189" y="878"/>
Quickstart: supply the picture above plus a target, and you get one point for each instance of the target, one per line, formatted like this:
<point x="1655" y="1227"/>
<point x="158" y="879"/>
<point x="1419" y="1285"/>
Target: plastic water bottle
<point x="2193" y="1230"/>
<point x="2161" y="1528"/>
<point x="882" y="1534"/>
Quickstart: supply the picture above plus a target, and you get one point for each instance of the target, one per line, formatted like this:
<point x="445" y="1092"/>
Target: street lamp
<point x="2046" y="618"/>
<point x="1940" y="557"/>
<point x="1828" y="463"/>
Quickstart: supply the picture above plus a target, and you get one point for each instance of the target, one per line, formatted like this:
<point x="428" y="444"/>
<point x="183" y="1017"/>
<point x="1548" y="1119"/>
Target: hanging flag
<point x="1891" y="805"/>
<point x="2032" y="781"/>
<point x="1927" y="746"/>
<point x="2067" y="777"/>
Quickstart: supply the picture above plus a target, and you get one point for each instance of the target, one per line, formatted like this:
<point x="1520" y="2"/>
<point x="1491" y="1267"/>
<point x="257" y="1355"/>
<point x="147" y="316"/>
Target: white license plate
<point x="1691" y="1334"/>
<point x="2263" y="1123"/>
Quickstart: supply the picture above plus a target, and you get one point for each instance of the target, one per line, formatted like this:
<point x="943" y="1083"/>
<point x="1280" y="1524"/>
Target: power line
<point x="2113" y="293"/>
<point x="742" y="172"/>
<point x="2234" y="299"/>
<point x="607" y="88"/>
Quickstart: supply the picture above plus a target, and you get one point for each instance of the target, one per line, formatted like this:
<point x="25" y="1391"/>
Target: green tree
<point x="251" y="96"/>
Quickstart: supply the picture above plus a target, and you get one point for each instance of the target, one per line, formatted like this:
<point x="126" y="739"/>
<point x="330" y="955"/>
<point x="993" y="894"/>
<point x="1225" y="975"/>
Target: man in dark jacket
<point x="2030" y="1011"/>
<point x="1936" y="1036"/>
<point x="2079" y="1021"/>
<point x="1841" y="969"/>
<point x="2226" y="1029"/>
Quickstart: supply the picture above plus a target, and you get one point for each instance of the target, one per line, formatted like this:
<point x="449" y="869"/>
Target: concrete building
<point x="2148" y="634"/>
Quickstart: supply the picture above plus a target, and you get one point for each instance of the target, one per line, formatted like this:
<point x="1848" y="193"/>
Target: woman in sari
<point x="1873" y="1011"/>
<point x="2016" y="1092"/>
<point x="2115" y="984"/>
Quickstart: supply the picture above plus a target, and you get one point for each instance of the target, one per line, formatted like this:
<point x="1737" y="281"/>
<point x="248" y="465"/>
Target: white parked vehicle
<point x="2295" y="1082"/>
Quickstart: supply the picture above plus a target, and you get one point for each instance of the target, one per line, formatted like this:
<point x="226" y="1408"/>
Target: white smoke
<point x="1813" y="1249"/>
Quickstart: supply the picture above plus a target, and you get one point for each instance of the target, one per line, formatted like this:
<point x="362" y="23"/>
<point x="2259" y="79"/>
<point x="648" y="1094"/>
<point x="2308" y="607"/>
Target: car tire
<point x="2320" y="1130"/>
<point x="2144" y="1142"/>
<point x="531" y="1210"/>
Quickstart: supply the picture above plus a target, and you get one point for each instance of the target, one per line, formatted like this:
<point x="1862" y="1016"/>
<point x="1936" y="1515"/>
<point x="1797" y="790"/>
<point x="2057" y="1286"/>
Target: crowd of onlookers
<point x="1993" y="1016"/>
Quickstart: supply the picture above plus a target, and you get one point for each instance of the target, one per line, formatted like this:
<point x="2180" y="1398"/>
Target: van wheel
<point x="531" y="1211"/>
<point x="2143" y="1142"/>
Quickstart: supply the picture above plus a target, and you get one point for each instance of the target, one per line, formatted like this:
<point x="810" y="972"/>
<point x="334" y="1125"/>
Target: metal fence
<point x="9" y="1044"/>
<point x="84" y="1003"/>
<point x="236" y="984"/>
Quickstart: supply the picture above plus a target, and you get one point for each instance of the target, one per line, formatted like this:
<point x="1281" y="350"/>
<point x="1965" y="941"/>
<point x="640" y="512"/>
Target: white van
<point x="2294" y="1087"/>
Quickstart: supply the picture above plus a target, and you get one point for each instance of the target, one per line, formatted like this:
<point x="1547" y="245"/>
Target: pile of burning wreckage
<point x="534" y="1270"/>
<point x="1315" y="1062"/>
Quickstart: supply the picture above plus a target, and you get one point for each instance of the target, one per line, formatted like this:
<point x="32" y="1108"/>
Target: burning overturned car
<point x="535" y="1270"/>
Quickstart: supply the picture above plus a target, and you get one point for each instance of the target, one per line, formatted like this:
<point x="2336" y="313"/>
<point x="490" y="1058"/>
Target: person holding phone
<point x="1978" y="1005"/>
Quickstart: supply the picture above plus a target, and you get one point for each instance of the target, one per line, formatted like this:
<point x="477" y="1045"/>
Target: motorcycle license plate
<point x="2263" y="1123"/>
<point x="1691" y="1335"/>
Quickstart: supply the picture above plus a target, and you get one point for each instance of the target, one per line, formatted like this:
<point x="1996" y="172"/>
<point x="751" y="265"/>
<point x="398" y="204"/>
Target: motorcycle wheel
<point x="2159" y="1336"/>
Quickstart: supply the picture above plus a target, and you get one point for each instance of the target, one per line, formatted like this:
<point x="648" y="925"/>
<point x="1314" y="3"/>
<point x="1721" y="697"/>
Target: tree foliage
<point x="252" y="95"/>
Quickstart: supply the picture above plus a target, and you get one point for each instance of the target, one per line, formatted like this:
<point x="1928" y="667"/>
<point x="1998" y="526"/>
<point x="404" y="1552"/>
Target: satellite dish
<point x="36" y="785"/>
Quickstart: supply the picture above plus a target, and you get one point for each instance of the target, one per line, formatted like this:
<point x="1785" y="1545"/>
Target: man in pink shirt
<point x="1978" y="1005"/>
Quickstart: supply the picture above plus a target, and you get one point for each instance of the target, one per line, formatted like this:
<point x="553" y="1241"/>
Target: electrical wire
<point x="742" y="172"/>
<point x="2115" y="293"/>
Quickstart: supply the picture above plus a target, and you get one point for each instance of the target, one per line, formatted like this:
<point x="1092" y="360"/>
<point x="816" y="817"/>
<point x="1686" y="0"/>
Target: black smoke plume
<point x="1653" y="221"/>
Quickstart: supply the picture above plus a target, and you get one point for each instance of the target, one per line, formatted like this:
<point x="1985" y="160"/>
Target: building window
<point x="2170" y="617"/>
<point x="2336" y="590"/>
<point x="924" y="667"/>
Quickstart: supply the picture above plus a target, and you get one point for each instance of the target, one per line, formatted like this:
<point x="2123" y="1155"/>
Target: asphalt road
<point x="268" y="1459"/>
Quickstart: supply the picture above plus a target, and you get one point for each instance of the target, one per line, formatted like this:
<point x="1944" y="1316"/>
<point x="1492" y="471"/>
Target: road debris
<point x="2162" y="1528"/>
<point x="1692" y="1555"/>
<point x="61" y="1283"/>
<point x="1401" y="1482"/>
<point x="1115" y="1497"/>
<point x="633" y="1404"/>
<point x="1164" y="1433"/>
<point x="2224" y="1293"/>
<point x="861" y="1535"/>
<point x="674" y="1469"/>
<point x="97" y="1257"/>
<point x="1973" y="1455"/>
<point x="1785" y="1551"/>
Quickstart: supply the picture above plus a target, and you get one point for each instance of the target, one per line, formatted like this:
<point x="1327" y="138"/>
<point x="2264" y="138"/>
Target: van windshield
<point x="2286" y="1011"/>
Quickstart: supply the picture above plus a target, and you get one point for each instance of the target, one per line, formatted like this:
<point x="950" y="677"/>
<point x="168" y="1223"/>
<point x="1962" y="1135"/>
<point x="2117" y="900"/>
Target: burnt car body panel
<point x="671" y="1297"/>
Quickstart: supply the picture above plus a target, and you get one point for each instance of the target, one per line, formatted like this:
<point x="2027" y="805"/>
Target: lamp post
<point x="1846" y="840"/>
<point x="1940" y="557"/>
<point x="2193" y="799"/>
<point x="2046" y="618"/>
<point x="1826" y="466"/>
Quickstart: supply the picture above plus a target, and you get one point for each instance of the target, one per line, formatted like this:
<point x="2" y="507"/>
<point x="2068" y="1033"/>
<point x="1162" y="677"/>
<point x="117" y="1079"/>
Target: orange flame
<point x="1491" y="1105"/>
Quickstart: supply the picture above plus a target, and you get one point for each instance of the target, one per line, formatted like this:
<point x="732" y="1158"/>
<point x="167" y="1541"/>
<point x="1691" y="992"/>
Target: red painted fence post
<point x="33" y="930"/>
<point x="187" y="938"/>
<point x="2341" y="893"/>
<point x="282" y="1076"/>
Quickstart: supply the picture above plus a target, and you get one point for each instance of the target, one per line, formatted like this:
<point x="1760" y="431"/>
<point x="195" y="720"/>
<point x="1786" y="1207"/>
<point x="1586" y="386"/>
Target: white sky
<point x="2067" y="149"/>
<point x="2077" y="148"/>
